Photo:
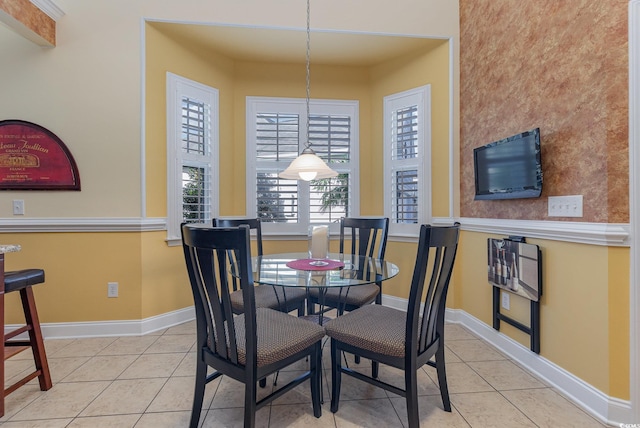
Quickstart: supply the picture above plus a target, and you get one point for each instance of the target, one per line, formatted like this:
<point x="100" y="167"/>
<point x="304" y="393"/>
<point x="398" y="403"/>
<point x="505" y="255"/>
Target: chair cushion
<point x="356" y="295"/>
<point x="376" y="328"/>
<point x="279" y="336"/>
<point x="265" y="296"/>
<point x="19" y="279"/>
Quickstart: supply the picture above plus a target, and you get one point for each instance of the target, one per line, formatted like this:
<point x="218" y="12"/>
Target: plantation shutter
<point x="405" y="174"/>
<point x="196" y="168"/>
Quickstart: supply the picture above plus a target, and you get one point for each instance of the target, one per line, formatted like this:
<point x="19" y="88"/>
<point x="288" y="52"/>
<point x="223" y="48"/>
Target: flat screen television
<point x="510" y="168"/>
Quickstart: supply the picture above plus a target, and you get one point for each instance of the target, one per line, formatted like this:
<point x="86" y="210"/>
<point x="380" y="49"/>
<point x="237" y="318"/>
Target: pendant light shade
<point x="308" y="166"/>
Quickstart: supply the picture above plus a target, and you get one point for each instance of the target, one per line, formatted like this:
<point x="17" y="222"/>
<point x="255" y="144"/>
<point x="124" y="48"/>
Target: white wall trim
<point x="50" y="8"/>
<point x="117" y="224"/>
<point x="608" y="234"/>
<point x="609" y="410"/>
<point x="113" y="328"/>
<point x="634" y="211"/>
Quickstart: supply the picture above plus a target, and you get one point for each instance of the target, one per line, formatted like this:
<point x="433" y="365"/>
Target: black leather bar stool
<point x="22" y="280"/>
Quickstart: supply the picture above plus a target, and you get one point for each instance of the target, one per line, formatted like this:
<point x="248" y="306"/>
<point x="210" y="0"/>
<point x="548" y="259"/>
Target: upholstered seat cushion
<point x="270" y="297"/>
<point x="357" y="295"/>
<point x="18" y="279"/>
<point x="376" y="328"/>
<point x="279" y="336"/>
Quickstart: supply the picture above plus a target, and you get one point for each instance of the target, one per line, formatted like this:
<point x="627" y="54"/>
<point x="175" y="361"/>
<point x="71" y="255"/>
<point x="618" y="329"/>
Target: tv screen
<point x="510" y="168"/>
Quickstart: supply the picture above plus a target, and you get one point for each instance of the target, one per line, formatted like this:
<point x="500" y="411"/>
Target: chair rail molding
<point x="96" y="224"/>
<point x="608" y="234"/>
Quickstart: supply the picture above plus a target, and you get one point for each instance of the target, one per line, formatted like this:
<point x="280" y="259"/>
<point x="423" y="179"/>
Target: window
<point x="192" y="148"/>
<point x="276" y="133"/>
<point x="407" y="166"/>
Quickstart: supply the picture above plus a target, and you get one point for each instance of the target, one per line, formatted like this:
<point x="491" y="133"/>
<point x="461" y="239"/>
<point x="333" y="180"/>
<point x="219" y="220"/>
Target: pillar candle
<point x="319" y="242"/>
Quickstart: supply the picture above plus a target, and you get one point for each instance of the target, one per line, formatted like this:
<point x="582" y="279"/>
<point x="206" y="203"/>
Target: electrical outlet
<point x="18" y="207"/>
<point x="506" y="301"/>
<point x="565" y="206"/>
<point x="112" y="289"/>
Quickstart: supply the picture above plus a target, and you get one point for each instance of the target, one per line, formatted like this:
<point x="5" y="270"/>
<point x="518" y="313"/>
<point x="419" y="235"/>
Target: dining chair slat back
<point x="284" y="300"/>
<point x="254" y="224"/>
<point x="368" y="235"/>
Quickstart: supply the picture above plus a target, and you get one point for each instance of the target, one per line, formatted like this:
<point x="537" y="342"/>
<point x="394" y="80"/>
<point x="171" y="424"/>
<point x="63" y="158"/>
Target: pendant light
<point x="308" y="166"/>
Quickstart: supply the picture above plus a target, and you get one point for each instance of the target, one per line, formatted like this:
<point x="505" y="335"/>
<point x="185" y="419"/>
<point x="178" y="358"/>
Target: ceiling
<point x="289" y="46"/>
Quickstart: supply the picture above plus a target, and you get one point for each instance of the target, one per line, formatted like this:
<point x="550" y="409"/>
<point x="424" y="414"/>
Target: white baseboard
<point x="113" y="328"/>
<point x="609" y="410"/>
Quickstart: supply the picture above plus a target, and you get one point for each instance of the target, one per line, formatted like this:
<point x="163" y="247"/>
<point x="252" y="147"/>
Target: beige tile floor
<point x="147" y="382"/>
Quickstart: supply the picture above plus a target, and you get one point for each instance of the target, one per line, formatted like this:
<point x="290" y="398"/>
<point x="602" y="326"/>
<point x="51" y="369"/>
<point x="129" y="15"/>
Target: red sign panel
<point x="34" y="158"/>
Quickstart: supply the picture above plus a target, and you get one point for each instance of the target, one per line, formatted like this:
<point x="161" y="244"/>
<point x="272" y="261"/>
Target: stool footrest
<point x="23" y="381"/>
<point x="16" y="332"/>
<point x="14" y="349"/>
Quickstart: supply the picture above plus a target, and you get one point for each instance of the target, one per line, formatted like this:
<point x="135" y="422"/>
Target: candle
<point x="319" y="242"/>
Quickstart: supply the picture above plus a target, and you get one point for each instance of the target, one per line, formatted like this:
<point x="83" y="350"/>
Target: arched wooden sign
<point x="34" y="158"/>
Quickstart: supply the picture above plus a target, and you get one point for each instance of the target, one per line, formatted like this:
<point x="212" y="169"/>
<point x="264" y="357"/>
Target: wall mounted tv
<point x="510" y="168"/>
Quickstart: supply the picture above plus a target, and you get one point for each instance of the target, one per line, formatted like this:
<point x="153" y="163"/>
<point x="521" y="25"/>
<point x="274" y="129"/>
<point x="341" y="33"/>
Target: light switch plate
<point x="18" y="207"/>
<point x="112" y="289"/>
<point x="565" y="206"/>
<point x="506" y="301"/>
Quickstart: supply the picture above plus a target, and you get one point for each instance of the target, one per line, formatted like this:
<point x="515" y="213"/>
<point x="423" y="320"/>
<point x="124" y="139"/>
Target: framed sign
<point x="34" y="158"/>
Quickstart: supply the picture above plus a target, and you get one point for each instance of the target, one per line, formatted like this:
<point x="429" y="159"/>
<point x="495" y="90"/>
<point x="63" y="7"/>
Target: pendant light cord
<point x="308" y="70"/>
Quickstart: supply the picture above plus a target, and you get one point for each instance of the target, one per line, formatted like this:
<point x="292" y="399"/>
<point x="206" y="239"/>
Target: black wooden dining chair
<point x="246" y="347"/>
<point x="267" y="296"/>
<point x="368" y="237"/>
<point x="405" y="340"/>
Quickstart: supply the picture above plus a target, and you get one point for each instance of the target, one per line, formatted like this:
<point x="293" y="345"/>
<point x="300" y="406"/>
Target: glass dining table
<point x="341" y="272"/>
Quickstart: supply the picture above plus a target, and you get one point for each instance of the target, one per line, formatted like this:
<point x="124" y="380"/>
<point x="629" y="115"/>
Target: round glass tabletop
<point x="274" y="269"/>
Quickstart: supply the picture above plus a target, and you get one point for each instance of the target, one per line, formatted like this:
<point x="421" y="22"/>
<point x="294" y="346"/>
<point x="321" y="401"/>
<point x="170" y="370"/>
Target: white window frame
<point x="177" y="88"/>
<point x="420" y="97"/>
<point x="255" y="105"/>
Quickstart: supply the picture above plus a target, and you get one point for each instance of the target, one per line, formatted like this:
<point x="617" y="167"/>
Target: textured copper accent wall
<point x="561" y="66"/>
<point x="31" y="17"/>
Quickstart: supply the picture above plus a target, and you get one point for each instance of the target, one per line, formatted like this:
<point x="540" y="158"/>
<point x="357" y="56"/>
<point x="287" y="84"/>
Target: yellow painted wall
<point x="430" y="67"/>
<point x="164" y="55"/>
<point x="77" y="268"/>
<point x="619" y="322"/>
<point x="165" y="284"/>
<point x="408" y="72"/>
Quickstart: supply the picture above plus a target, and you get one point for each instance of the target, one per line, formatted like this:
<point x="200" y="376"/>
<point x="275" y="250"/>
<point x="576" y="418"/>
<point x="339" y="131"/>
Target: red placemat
<point x="305" y="264"/>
